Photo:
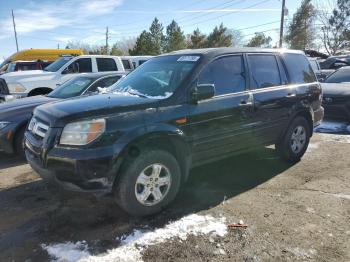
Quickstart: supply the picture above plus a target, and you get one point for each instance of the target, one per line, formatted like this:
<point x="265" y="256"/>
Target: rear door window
<point x="106" y="64"/>
<point x="81" y="65"/>
<point x="299" y="69"/>
<point x="226" y="73"/>
<point x="264" y="71"/>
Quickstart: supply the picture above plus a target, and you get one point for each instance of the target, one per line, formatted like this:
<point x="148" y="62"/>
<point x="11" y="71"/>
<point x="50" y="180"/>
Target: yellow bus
<point x="39" y="54"/>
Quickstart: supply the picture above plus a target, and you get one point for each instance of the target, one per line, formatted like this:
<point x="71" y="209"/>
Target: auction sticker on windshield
<point x="188" y="58"/>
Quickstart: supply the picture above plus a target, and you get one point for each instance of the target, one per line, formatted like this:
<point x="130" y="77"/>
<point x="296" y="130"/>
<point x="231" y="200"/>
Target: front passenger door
<point x="221" y="125"/>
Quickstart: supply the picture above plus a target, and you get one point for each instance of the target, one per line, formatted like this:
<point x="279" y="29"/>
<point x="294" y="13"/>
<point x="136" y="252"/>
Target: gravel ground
<point x="292" y="212"/>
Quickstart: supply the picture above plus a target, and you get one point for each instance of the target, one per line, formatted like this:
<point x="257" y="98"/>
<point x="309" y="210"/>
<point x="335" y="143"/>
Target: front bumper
<point x="82" y="170"/>
<point x="337" y="110"/>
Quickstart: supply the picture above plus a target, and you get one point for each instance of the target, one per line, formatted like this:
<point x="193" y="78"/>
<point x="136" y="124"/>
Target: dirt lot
<point x="299" y="212"/>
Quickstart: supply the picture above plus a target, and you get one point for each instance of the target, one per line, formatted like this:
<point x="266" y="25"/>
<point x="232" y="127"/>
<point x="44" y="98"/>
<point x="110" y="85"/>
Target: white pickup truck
<point x="40" y="82"/>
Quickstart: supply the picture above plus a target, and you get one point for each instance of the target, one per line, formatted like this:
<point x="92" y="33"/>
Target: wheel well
<point x="308" y="117"/>
<point x="40" y="91"/>
<point x="19" y="129"/>
<point x="175" y="146"/>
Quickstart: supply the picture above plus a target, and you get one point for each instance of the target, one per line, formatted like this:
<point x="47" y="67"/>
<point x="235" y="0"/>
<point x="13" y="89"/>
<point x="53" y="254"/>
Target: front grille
<point x="3" y="87"/>
<point x="38" y="128"/>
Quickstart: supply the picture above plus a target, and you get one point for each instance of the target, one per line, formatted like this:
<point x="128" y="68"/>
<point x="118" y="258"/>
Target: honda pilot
<point x="176" y="111"/>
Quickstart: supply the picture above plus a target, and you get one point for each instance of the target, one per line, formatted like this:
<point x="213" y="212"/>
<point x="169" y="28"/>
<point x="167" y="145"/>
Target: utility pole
<point x="14" y="29"/>
<point x="282" y="23"/>
<point x="107" y="36"/>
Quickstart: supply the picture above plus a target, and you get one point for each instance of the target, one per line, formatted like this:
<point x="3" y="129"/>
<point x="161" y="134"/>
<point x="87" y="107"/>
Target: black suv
<point x="175" y="112"/>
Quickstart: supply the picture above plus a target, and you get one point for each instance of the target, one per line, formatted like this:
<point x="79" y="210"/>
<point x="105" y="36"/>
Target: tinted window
<point x="264" y="70"/>
<point x="126" y="64"/>
<point x="299" y="69"/>
<point x="342" y="75"/>
<point x="82" y="65"/>
<point x="105" y="82"/>
<point x="25" y="67"/>
<point x="226" y="73"/>
<point x="106" y="64"/>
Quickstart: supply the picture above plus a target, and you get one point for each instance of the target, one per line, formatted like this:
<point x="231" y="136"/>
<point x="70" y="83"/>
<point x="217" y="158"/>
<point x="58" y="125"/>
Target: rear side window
<point x="106" y="64"/>
<point x="25" y="67"/>
<point x="264" y="71"/>
<point x="299" y="69"/>
<point x="126" y="64"/>
<point x="226" y="73"/>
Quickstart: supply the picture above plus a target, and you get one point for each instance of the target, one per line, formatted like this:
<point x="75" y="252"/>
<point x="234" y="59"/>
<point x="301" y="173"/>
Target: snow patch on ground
<point x="302" y="253"/>
<point x="68" y="251"/>
<point x="341" y="195"/>
<point x="344" y="139"/>
<point x="133" y="244"/>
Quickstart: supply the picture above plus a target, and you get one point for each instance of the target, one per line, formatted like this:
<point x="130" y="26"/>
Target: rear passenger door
<point x="222" y="124"/>
<point x="273" y="97"/>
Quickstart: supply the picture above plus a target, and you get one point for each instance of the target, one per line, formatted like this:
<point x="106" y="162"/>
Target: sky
<point x="53" y="23"/>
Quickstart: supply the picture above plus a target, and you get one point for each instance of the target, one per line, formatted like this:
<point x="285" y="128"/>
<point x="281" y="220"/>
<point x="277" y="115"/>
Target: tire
<point x="295" y="141"/>
<point x="131" y="190"/>
<point x="19" y="146"/>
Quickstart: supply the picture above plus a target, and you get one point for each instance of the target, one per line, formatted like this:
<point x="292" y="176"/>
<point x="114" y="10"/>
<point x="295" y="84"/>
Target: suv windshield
<point x="159" y="77"/>
<point x="71" y="88"/>
<point x="55" y="66"/>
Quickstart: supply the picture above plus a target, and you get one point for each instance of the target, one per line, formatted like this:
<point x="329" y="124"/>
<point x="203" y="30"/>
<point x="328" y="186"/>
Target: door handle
<point x="290" y="95"/>
<point x="245" y="103"/>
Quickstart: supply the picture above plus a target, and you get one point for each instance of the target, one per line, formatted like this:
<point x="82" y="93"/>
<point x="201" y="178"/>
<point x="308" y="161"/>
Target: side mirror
<point x="203" y="91"/>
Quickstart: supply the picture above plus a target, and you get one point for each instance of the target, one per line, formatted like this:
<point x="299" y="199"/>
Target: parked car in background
<point x="40" y="82"/>
<point x="177" y="111"/>
<point x="336" y="94"/>
<point x="321" y="74"/>
<point x="38" y="54"/>
<point x="334" y="62"/>
<point x="15" y="115"/>
<point x="26" y="65"/>
<point x="138" y="60"/>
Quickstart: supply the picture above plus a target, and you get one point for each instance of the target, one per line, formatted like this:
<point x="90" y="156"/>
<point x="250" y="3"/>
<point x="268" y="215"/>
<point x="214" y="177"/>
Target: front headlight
<point x="16" y="88"/>
<point x="4" y="124"/>
<point x="83" y="132"/>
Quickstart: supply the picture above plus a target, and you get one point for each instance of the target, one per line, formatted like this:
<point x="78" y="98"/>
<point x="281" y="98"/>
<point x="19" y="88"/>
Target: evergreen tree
<point x="301" y="33"/>
<point x="260" y="40"/>
<point x="156" y="37"/>
<point x="198" y="40"/>
<point x="143" y="45"/>
<point x="219" y="37"/>
<point x="175" y="38"/>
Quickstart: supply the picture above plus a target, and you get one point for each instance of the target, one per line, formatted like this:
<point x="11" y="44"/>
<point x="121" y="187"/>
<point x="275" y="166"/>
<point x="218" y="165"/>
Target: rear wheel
<point x="295" y="141"/>
<point x="148" y="183"/>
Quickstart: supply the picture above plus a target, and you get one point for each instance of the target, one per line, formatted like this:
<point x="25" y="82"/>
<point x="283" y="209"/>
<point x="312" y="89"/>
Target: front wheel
<point x="148" y="183"/>
<point x="295" y="141"/>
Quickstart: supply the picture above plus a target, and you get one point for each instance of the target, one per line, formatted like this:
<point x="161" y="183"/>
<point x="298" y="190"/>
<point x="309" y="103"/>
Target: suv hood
<point x="336" y="89"/>
<point x="75" y="109"/>
<point x="17" y="76"/>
